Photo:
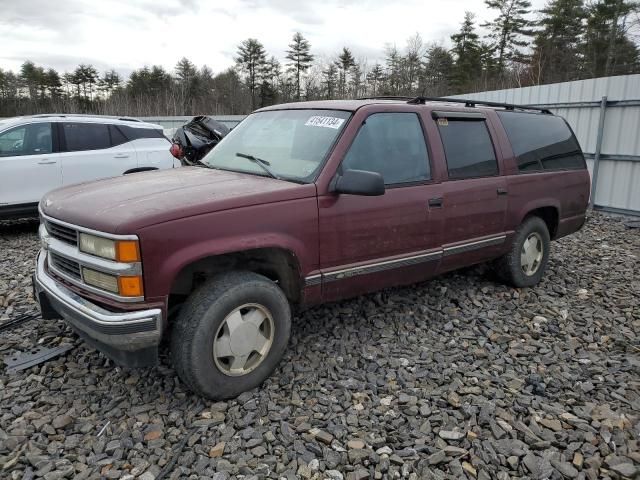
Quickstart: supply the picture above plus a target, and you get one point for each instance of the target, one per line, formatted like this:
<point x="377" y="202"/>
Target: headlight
<point x="101" y="247"/>
<point x="120" y="250"/>
<point x="126" y="286"/>
<point x="100" y="280"/>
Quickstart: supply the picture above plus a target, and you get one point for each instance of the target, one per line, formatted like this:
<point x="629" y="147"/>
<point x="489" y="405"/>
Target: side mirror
<point x="359" y="182"/>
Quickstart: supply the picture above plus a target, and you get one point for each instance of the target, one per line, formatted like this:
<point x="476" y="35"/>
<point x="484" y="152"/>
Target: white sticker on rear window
<point x="327" y="122"/>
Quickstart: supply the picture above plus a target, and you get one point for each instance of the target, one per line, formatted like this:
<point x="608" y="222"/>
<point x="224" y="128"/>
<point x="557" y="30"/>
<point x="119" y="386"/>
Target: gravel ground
<point x="457" y="377"/>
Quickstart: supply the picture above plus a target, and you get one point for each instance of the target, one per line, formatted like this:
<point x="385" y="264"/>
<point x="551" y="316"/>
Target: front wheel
<point x="230" y="334"/>
<point x="525" y="263"/>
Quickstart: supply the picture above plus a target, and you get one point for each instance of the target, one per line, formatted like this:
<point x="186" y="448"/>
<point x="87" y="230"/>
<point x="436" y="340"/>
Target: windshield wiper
<point x="261" y="163"/>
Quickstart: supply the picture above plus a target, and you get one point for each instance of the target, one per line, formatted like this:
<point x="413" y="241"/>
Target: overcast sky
<point x="127" y="34"/>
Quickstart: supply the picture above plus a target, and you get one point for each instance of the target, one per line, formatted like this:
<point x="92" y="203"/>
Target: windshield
<point x="292" y="144"/>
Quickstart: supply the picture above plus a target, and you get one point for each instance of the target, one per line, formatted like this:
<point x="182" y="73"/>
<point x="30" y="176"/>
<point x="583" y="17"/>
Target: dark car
<point x="193" y="140"/>
<point x="302" y="204"/>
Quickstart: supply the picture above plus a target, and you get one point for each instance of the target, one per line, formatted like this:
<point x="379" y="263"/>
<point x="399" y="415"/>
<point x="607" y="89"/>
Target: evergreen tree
<point x="299" y="54"/>
<point x="109" y="82"/>
<point x="557" y="47"/>
<point x="393" y="63"/>
<point x="188" y="83"/>
<point x="186" y="71"/>
<point x="608" y="49"/>
<point x="466" y="49"/>
<point x="375" y="78"/>
<point x="509" y="29"/>
<point x="250" y="59"/>
<point x="8" y="85"/>
<point x="356" y="82"/>
<point x="31" y="77"/>
<point x="438" y="71"/>
<point x="269" y="76"/>
<point x="330" y="80"/>
<point x="344" y="63"/>
<point x="85" y="77"/>
<point x="54" y="83"/>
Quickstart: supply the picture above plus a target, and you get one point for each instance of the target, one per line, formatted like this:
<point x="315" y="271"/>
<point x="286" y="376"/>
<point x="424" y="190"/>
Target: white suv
<point x="42" y="152"/>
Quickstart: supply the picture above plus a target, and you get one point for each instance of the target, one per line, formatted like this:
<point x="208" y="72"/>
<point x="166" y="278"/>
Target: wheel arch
<point x="549" y="211"/>
<point x="140" y="169"/>
<point x="279" y="264"/>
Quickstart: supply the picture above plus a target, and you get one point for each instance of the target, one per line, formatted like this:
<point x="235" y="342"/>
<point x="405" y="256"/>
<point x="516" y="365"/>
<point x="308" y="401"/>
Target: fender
<point x="173" y="264"/>
<point x="535" y="204"/>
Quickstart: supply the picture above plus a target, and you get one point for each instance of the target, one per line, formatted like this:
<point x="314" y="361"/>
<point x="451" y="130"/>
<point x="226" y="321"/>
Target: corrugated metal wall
<point x="618" y="179"/>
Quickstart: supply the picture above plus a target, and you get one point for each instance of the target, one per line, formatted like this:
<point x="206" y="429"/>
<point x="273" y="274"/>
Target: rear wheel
<point x="525" y="263"/>
<point x="230" y="334"/>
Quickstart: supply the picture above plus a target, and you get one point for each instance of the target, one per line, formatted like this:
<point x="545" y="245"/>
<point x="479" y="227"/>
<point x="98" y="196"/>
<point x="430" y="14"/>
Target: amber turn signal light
<point x="130" y="286"/>
<point x="127" y="251"/>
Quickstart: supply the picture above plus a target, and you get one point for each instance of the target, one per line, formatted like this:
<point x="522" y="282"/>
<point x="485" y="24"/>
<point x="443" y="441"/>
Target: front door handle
<point x="435" y="202"/>
<point x="121" y="155"/>
<point x="503" y="191"/>
<point x="46" y="162"/>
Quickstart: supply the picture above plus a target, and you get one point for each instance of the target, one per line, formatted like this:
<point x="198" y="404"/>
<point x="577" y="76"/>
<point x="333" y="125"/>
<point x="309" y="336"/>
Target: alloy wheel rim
<point x="531" y="254"/>
<point x="243" y="340"/>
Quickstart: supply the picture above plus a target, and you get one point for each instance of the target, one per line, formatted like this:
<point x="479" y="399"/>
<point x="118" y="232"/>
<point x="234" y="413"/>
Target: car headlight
<point x="100" y="280"/>
<point x="125" y="286"/>
<point x="119" y="250"/>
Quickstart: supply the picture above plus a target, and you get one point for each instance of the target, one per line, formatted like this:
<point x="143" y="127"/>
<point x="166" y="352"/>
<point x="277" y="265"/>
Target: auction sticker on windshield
<point x="327" y="122"/>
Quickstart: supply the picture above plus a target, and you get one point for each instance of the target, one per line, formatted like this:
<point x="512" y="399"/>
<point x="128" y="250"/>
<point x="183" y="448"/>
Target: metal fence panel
<point x="175" y="122"/>
<point x="618" y="177"/>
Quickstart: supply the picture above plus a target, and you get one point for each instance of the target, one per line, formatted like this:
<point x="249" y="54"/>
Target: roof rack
<point x="473" y="103"/>
<point x="387" y="97"/>
<point x="85" y="115"/>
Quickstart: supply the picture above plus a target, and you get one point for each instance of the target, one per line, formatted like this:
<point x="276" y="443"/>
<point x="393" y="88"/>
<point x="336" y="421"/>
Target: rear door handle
<point x="121" y="155"/>
<point x="503" y="191"/>
<point x="435" y="202"/>
<point x="46" y="162"/>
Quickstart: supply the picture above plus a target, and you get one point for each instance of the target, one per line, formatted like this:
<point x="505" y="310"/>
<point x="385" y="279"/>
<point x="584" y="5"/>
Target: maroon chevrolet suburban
<point x="302" y="204"/>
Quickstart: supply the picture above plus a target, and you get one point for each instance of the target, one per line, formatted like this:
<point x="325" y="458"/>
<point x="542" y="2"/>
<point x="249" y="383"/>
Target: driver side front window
<point x="393" y="145"/>
<point x="33" y="139"/>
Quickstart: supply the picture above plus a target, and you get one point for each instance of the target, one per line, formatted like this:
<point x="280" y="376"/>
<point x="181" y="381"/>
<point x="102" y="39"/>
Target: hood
<point x="128" y="203"/>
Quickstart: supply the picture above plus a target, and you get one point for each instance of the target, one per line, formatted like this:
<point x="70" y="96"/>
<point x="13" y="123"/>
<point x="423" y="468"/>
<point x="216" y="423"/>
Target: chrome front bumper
<point x="118" y="334"/>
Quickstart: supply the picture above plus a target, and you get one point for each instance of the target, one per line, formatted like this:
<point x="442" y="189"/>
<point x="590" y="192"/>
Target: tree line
<point x="566" y="40"/>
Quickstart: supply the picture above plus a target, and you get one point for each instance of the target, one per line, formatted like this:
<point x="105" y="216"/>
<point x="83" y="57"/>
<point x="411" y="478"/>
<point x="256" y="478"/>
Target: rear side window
<point x="541" y="142"/>
<point x="86" y="136"/>
<point x="393" y="145"/>
<point x="468" y="148"/>
<point x="133" y="133"/>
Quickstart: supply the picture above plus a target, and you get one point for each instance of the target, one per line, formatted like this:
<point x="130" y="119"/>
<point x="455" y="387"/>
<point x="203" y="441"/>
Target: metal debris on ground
<point x="35" y="356"/>
<point x="632" y="224"/>
<point x="18" y="320"/>
<point x="168" y="468"/>
<point x="104" y="428"/>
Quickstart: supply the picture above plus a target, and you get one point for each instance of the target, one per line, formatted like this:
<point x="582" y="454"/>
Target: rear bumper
<point x="129" y="338"/>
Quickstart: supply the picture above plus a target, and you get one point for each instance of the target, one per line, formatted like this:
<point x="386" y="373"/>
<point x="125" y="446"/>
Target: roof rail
<point x="473" y="103"/>
<point x="85" y="115"/>
<point x="387" y="97"/>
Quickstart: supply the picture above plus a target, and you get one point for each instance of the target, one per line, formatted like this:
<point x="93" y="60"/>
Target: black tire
<point x="509" y="268"/>
<point x="200" y="319"/>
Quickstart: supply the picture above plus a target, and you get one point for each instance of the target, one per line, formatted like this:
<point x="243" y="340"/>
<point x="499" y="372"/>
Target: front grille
<point x="66" y="266"/>
<point x="65" y="234"/>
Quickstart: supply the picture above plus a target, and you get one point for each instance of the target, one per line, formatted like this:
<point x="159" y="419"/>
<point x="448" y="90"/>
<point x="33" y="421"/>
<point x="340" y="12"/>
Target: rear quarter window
<point x="542" y="142"/>
<point x="135" y="133"/>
